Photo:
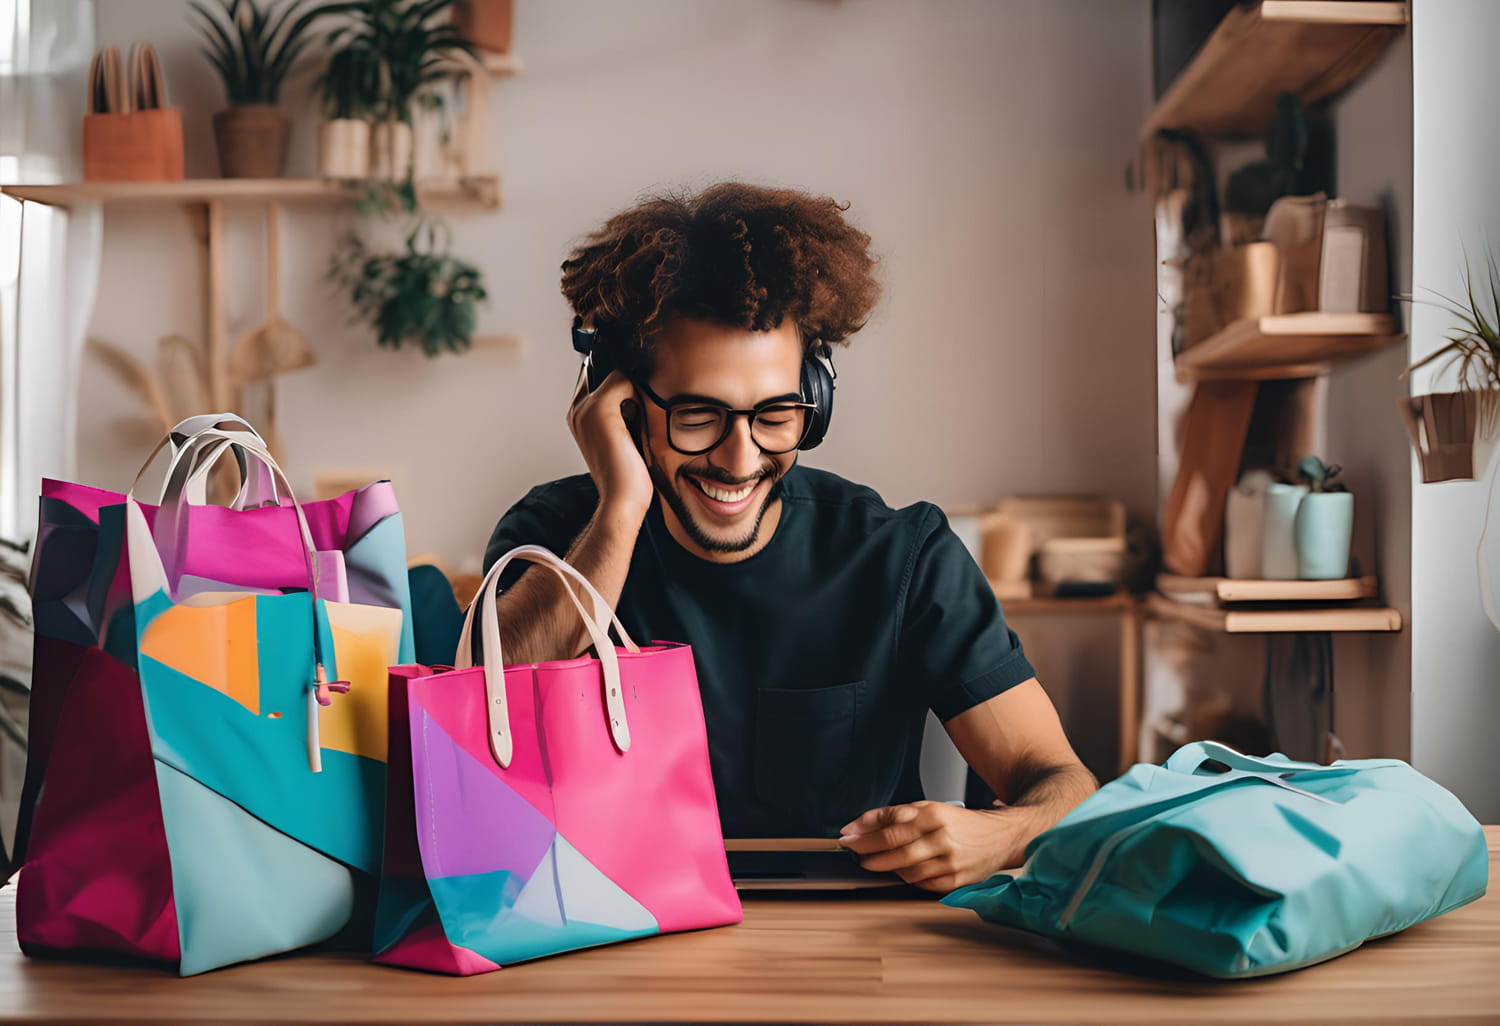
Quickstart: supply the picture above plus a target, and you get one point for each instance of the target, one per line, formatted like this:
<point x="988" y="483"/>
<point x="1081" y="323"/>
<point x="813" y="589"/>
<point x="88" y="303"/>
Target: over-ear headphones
<point x="817" y="379"/>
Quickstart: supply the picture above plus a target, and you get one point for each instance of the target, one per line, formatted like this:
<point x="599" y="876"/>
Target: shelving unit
<point x="1313" y="48"/>
<point x="1296" y="345"/>
<point x="478" y="190"/>
<point x="1279" y="620"/>
<point x="1218" y="590"/>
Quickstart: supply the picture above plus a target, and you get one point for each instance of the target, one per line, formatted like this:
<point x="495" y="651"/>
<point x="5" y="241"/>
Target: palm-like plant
<point x="1474" y="344"/>
<point x="414" y="48"/>
<point x="254" y="45"/>
<point x="351" y="83"/>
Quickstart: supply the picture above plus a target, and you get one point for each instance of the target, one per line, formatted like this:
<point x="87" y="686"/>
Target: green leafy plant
<point x="1287" y="169"/>
<point x="1474" y="344"/>
<point x="350" y="85"/>
<point x="1319" y="476"/>
<point x="254" y="45"/>
<point x="413" y="46"/>
<point x="421" y="295"/>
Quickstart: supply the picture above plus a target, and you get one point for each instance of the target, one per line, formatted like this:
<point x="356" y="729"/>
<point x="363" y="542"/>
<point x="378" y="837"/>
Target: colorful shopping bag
<point x="537" y="809"/>
<point x="208" y="717"/>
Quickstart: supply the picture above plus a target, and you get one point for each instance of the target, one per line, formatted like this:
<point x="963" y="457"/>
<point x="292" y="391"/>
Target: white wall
<point x="982" y="143"/>
<point x="1372" y="672"/>
<point x="1455" y="650"/>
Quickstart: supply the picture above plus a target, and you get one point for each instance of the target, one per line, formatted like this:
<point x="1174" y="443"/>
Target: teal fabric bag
<point x="1269" y="866"/>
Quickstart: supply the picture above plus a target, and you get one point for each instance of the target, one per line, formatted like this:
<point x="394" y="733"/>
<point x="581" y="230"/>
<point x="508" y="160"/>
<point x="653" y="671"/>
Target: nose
<point x="738" y="454"/>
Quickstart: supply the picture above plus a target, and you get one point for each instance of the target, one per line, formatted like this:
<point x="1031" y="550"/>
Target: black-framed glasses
<point x="697" y="424"/>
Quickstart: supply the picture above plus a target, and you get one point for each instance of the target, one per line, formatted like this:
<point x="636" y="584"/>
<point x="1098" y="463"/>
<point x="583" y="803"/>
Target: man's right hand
<point x="609" y="449"/>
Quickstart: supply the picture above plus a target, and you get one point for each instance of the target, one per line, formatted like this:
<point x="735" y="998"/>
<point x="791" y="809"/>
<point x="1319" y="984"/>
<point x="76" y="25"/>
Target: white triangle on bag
<point x="588" y="896"/>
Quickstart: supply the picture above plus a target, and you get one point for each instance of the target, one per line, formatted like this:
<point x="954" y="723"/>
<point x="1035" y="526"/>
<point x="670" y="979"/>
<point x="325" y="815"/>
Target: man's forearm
<point x="538" y="622"/>
<point x="1045" y="797"/>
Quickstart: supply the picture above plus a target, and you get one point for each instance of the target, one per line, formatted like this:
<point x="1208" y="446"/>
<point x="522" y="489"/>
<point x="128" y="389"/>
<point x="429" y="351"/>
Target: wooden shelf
<point x="1276" y="621"/>
<point x="500" y="65"/>
<point x="1313" y="48"/>
<point x="1300" y="345"/>
<point x="1229" y="589"/>
<point x="480" y="190"/>
<point x="1120" y="602"/>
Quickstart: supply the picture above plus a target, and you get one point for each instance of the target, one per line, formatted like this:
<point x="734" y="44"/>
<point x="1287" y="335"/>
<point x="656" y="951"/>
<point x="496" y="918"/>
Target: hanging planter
<point x="1454" y="433"/>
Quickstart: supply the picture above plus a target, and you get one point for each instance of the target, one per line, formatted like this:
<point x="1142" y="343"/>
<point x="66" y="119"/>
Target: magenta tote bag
<point x="210" y="714"/>
<point x="543" y="808"/>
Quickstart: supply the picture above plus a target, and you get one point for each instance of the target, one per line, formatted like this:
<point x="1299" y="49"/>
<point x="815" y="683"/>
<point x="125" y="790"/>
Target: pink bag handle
<point x="497" y="710"/>
<point x="205" y="448"/>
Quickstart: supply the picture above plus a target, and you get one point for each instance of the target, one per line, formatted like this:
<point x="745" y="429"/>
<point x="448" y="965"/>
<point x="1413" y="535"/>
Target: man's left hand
<point x="936" y="846"/>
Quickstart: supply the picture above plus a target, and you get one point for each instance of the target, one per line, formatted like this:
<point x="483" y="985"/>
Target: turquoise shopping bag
<point x="1264" y="866"/>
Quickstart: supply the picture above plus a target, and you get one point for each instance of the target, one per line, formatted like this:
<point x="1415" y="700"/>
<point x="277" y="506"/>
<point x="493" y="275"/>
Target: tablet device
<point x="799" y="863"/>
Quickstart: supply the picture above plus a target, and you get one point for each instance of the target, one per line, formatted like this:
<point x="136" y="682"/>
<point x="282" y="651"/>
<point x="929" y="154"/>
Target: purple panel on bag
<point x="469" y="820"/>
<point x="370" y="505"/>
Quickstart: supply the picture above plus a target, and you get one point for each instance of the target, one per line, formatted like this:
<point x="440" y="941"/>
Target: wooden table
<point x="821" y="958"/>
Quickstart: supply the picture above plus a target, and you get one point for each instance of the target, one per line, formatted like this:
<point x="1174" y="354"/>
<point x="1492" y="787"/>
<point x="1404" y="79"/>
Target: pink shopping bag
<point x="542" y="808"/>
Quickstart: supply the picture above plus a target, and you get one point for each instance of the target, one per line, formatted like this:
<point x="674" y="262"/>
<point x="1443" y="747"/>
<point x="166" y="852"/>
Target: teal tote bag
<point x="1234" y="866"/>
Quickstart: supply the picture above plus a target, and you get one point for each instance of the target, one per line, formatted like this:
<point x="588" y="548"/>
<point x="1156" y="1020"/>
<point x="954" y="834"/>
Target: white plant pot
<point x="390" y="150"/>
<point x="429" y="159"/>
<point x="1244" y="525"/>
<point x="1278" y="553"/>
<point x="344" y="148"/>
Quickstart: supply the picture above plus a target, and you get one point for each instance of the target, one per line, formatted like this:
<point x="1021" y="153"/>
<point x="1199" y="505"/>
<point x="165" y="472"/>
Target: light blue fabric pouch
<point x="1267" y="866"/>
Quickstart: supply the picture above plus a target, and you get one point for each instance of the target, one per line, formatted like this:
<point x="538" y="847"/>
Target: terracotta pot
<point x="1454" y="433"/>
<point x="344" y="148"/>
<point x="485" y="23"/>
<point x="252" y="141"/>
<point x="390" y="150"/>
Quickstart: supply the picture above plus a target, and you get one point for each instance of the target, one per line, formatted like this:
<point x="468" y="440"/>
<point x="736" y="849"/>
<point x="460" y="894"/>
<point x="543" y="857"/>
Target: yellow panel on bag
<point x="366" y="643"/>
<point x="214" y="645"/>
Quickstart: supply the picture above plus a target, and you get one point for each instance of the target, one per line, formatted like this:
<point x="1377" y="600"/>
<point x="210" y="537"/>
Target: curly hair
<point x="740" y="255"/>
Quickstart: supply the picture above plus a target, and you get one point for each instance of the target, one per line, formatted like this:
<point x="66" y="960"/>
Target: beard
<point x="672" y="492"/>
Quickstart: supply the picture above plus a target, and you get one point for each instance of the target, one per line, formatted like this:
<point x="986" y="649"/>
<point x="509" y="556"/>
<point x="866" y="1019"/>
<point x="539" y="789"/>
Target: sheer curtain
<point x="49" y="256"/>
<point x="49" y="266"/>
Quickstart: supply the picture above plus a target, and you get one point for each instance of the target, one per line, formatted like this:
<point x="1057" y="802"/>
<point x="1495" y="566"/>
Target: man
<point x="824" y="623"/>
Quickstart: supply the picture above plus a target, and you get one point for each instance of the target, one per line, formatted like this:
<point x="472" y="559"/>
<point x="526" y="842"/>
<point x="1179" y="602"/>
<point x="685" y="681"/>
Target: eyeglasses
<point x="697" y="424"/>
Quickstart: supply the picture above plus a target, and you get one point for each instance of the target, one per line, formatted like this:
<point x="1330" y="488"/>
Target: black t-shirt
<point x="819" y="656"/>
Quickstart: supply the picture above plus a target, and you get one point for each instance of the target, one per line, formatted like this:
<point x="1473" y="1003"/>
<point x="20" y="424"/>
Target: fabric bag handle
<point x="502" y="742"/>
<point x="170" y="523"/>
<point x="257" y="485"/>
<point x="1189" y="757"/>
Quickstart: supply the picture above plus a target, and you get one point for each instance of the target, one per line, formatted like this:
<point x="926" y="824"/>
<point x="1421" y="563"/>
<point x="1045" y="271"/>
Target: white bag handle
<point x="214" y="443"/>
<point x="502" y="745"/>
<point x="257" y="485"/>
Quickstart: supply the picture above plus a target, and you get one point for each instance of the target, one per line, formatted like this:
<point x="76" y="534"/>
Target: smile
<point x="724" y="501"/>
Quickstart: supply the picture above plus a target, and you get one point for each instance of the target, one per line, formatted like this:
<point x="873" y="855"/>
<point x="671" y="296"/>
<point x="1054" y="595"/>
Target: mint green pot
<point x="1323" y="529"/>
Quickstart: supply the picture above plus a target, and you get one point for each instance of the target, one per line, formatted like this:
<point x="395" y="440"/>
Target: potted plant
<point x="413" y="48"/>
<point x="1455" y="433"/>
<point x="1324" y="523"/>
<point x="421" y="295"/>
<point x="350" y="87"/>
<point x="253" y="45"/>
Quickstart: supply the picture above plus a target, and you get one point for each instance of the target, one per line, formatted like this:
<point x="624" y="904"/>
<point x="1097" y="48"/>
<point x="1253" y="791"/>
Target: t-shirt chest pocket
<point x="804" y="748"/>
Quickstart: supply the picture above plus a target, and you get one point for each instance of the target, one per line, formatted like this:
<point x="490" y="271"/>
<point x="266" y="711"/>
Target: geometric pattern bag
<point x="543" y="808"/>
<point x="207" y="768"/>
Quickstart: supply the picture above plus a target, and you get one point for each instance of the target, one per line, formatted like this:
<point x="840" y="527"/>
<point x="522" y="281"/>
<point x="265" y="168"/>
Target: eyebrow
<point x="693" y="397"/>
